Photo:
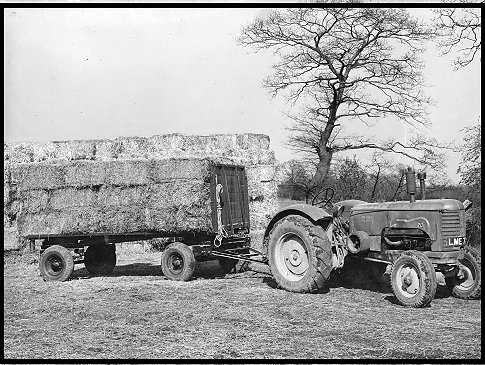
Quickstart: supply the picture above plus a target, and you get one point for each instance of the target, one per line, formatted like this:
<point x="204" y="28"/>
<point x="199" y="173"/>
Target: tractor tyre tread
<point x="321" y="251"/>
<point x="475" y="292"/>
<point x="428" y="283"/>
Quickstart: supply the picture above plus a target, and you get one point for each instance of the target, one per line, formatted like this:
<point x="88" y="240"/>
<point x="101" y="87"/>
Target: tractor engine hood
<point x="429" y="205"/>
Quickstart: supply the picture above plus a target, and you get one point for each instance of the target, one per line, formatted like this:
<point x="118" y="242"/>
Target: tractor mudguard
<point x="308" y="211"/>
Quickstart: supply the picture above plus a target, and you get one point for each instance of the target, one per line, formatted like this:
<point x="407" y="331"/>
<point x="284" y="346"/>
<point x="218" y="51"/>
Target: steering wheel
<point x="327" y="199"/>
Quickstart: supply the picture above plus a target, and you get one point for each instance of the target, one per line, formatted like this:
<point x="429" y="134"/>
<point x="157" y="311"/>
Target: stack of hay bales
<point x="120" y="196"/>
<point x="70" y="180"/>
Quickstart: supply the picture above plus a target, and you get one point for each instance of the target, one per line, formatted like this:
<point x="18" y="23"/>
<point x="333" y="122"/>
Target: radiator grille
<point x="453" y="223"/>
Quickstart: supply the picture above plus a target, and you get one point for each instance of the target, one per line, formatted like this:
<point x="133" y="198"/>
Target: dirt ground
<point x="136" y="313"/>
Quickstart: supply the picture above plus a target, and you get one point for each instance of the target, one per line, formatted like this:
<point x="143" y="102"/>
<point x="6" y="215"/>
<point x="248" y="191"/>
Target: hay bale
<point x="132" y="147"/>
<point x="116" y="195"/>
<point x="75" y="150"/>
<point x="124" y="219"/>
<point x="47" y="222"/>
<point x="186" y="168"/>
<point x="67" y="198"/>
<point x="85" y="173"/>
<point x="43" y="176"/>
<point x="21" y="152"/>
<point x="44" y="152"/>
<point x="261" y="173"/>
<point x="11" y="239"/>
<point x="127" y="172"/>
<point x="75" y="220"/>
<point x="167" y="145"/>
<point x="34" y="201"/>
<point x="105" y="149"/>
<point x="252" y="141"/>
<point x="261" y="212"/>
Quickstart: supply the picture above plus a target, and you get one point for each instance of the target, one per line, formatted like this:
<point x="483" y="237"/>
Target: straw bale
<point x="261" y="212"/>
<point x="170" y="169"/>
<point x="176" y="220"/>
<point x="34" y="201"/>
<point x="261" y="173"/>
<point x="133" y="147"/>
<point x="11" y="238"/>
<point x="47" y="222"/>
<point x="67" y="198"/>
<point x="167" y="145"/>
<point x="45" y="151"/>
<point x="29" y="176"/>
<point x="124" y="219"/>
<point x="75" y="150"/>
<point x="252" y="141"/>
<point x="115" y="195"/>
<point x="105" y="149"/>
<point x="85" y="173"/>
<point x="127" y="172"/>
<point x="75" y="220"/>
<point x="21" y="152"/>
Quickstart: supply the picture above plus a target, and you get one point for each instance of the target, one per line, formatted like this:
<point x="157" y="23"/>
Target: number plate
<point x="456" y="241"/>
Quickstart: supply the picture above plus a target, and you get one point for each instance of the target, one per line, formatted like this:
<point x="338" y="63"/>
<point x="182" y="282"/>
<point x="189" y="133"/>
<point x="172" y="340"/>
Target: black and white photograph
<point x="242" y="181"/>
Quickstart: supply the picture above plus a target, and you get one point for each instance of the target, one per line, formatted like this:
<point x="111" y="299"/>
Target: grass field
<point x="136" y="313"/>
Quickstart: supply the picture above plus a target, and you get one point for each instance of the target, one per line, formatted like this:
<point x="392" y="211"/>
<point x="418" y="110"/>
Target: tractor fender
<point x="310" y="212"/>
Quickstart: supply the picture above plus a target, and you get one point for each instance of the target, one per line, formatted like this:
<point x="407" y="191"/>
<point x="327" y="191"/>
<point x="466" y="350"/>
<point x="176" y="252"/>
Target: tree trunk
<point x="375" y="184"/>
<point x="323" y="167"/>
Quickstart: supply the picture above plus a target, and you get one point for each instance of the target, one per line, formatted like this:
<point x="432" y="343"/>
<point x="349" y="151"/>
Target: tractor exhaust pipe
<point x="411" y="184"/>
<point x="422" y="185"/>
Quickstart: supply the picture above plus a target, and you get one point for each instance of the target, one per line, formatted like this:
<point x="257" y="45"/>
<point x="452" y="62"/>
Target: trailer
<point x="228" y="241"/>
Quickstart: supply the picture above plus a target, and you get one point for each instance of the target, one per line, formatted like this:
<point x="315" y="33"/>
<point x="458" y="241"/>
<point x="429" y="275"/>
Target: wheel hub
<point x="408" y="281"/>
<point x="291" y="257"/>
<point x="465" y="278"/>
<point x="56" y="265"/>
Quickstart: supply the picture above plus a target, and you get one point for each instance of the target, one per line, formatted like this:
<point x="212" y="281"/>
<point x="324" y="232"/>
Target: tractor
<point x="418" y="238"/>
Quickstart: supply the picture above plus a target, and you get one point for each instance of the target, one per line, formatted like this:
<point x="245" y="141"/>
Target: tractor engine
<point x="422" y="225"/>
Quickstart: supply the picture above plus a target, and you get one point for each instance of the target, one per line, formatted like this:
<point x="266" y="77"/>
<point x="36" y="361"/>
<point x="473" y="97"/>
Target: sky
<point x="94" y="73"/>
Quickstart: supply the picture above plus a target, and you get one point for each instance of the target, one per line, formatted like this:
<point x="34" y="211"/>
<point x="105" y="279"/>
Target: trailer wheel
<point x="468" y="286"/>
<point x="413" y="279"/>
<point x="56" y="264"/>
<point x="178" y="262"/>
<point x="300" y="254"/>
<point x="100" y="259"/>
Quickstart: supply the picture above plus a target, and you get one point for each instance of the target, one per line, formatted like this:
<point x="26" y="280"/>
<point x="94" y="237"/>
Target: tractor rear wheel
<point x="413" y="279"/>
<point x="178" y="262"/>
<point x="56" y="263"/>
<point x="300" y="254"/>
<point x="100" y="259"/>
<point x="468" y="285"/>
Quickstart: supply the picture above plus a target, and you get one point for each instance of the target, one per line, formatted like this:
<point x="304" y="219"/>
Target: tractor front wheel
<point x="413" y="279"/>
<point x="468" y="284"/>
<point x="300" y="254"/>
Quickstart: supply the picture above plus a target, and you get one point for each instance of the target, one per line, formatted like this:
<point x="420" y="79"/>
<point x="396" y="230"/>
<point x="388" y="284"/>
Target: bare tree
<point x="348" y="67"/>
<point x="459" y="29"/>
